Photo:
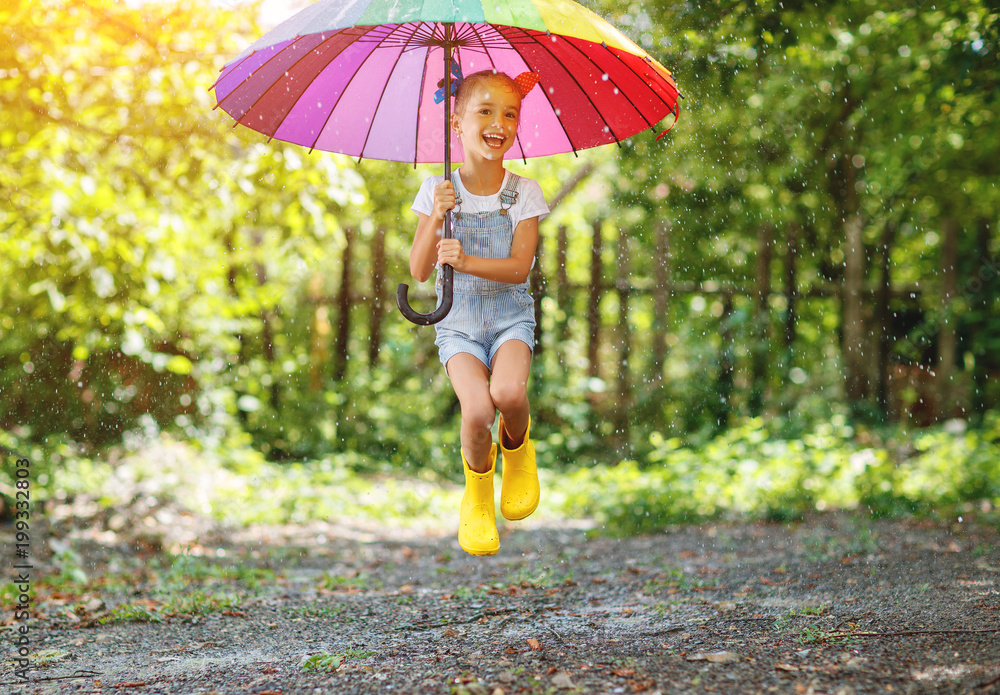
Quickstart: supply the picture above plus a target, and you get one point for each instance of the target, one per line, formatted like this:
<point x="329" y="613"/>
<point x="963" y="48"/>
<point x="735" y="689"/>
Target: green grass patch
<point x="196" y="602"/>
<point x="325" y="661"/>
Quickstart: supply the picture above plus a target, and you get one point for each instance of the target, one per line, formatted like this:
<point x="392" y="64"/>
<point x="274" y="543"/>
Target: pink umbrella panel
<point x="368" y="91"/>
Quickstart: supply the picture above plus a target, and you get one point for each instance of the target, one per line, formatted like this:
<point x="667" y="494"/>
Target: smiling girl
<point x="486" y="340"/>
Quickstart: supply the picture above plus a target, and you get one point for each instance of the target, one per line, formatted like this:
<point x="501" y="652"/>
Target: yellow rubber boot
<point x="477" y="530"/>
<point x="519" y="492"/>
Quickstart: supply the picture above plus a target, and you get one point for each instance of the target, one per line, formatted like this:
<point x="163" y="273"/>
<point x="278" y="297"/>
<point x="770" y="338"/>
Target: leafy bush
<point x="746" y="469"/>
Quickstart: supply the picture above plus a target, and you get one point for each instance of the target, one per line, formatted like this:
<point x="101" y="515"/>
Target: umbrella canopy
<point x="358" y="77"/>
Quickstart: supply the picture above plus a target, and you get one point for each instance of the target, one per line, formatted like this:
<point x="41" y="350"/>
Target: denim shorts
<point x="479" y="324"/>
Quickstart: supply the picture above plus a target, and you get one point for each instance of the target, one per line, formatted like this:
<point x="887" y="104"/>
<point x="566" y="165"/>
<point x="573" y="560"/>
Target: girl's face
<point x="488" y="123"/>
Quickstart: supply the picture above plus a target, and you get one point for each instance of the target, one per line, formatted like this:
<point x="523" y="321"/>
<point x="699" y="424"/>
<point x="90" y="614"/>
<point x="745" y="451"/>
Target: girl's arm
<point x="513" y="270"/>
<point x="423" y="253"/>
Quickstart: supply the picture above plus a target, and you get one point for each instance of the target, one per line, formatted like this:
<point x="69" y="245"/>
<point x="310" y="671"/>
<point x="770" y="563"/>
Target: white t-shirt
<point x="530" y="201"/>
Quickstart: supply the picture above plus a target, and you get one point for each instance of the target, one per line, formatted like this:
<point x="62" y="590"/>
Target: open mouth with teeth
<point x="494" y="140"/>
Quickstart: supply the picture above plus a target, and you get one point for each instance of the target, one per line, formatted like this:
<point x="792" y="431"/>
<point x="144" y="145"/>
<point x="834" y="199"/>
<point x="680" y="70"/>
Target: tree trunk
<point x="344" y="309"/>
<point x="378" y="294"/>
<point x="791" y="290"/>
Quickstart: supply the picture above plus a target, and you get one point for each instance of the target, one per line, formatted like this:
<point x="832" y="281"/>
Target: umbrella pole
<point x="447" y="272"/>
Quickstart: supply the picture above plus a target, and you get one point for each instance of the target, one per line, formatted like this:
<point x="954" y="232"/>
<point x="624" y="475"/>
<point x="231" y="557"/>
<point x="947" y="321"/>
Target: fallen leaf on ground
<point x="786" y="667"/>
<point x="534" y="644"/>
<point x="715" y="657"/>
<point x="563" y="681"/>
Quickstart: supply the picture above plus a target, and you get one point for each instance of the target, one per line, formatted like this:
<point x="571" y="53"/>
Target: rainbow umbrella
<point x="359" y="77"/>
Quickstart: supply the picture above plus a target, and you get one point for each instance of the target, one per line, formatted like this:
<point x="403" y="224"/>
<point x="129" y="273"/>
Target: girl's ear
<point x="456" y="123"/>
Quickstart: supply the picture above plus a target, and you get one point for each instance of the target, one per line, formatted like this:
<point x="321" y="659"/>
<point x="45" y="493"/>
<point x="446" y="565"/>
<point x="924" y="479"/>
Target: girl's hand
<point x="450" y="252"/>
<point x="444" y="199"/>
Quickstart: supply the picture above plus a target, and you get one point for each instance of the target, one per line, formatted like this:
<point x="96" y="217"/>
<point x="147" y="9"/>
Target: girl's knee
<point x="478" y="415"/>
<point x="509" y="395"/>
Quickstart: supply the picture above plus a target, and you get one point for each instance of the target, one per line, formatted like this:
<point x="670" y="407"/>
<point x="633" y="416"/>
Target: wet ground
<point x="833" y="604"/>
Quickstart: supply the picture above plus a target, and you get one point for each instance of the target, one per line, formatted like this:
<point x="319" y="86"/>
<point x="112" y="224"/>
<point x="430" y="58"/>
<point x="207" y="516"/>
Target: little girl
<point x="485" y="342"/>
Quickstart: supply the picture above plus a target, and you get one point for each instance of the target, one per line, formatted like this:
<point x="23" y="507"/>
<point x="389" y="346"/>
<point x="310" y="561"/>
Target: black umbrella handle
<point x="447" y="276"/>
<point x="447" y="272"/>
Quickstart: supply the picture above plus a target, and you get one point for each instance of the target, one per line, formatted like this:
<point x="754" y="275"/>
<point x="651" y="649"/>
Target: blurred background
<point x="790" y="302"/>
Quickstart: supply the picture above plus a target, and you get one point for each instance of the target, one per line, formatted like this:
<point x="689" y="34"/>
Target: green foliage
<point x="747" y="469"/>
<point x="163" y="273"/>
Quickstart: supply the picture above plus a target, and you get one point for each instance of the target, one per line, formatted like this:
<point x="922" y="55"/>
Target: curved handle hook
<point x="447" y="277"/>
<point x="447" y="272"/>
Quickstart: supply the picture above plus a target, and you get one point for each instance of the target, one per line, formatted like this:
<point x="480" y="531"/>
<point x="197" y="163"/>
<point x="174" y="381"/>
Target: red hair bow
<point x="525" y="82"/>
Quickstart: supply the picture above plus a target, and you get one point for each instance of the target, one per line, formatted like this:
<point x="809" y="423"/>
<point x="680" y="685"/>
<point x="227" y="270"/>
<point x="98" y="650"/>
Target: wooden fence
<point x="610" y="345"/>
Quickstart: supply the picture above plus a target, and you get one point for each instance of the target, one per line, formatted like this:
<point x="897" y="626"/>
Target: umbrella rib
<point x="385" y="87"/>
<point x="259" y="68"/>
<point x="223" y="72"/>
<point x="620" y="91"/>
<point x="534" y="40"/>
<point x="588" y="97"/>
<point x="420" y="94"/>
<point x="653" y="91"/>
<point x="275" y="56"/>
<point x="340" y="96"/>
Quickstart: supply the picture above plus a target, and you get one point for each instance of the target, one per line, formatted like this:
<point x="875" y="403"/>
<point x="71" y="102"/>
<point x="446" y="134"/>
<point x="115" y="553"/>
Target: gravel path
<point x="834" y="604"/>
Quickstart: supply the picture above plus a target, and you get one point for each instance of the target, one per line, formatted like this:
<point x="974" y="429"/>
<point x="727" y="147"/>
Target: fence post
<point x="856" y="385"/>
<point x="344" y="308"/>
<point x="883" y="319"/>
<point x="319" y="351"/>
<point x="625" y="336"/>
<point x="594" y="301"/>
<point x="762" y="292"/>
<point x="727" y="363"/>
<point x="378" y="293"/>
<point x="661" y="297"/>
<point x="947" y="339"/>
<point x="562" y="283"/>
<point x="538" y="293"/>
<point x="791" y="289"/>
<point x="978" y="282"/>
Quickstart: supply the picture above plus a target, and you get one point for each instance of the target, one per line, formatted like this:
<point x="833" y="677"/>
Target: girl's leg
<point x="471" y="380"/>
<point x="509" y="390"/>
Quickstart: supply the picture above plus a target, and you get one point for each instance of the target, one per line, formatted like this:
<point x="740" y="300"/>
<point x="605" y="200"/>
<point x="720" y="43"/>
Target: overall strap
<point x="508" y="196"/>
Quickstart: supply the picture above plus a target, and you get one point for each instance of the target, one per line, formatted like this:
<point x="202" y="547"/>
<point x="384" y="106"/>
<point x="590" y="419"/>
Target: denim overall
<point x="485" y="313"/>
